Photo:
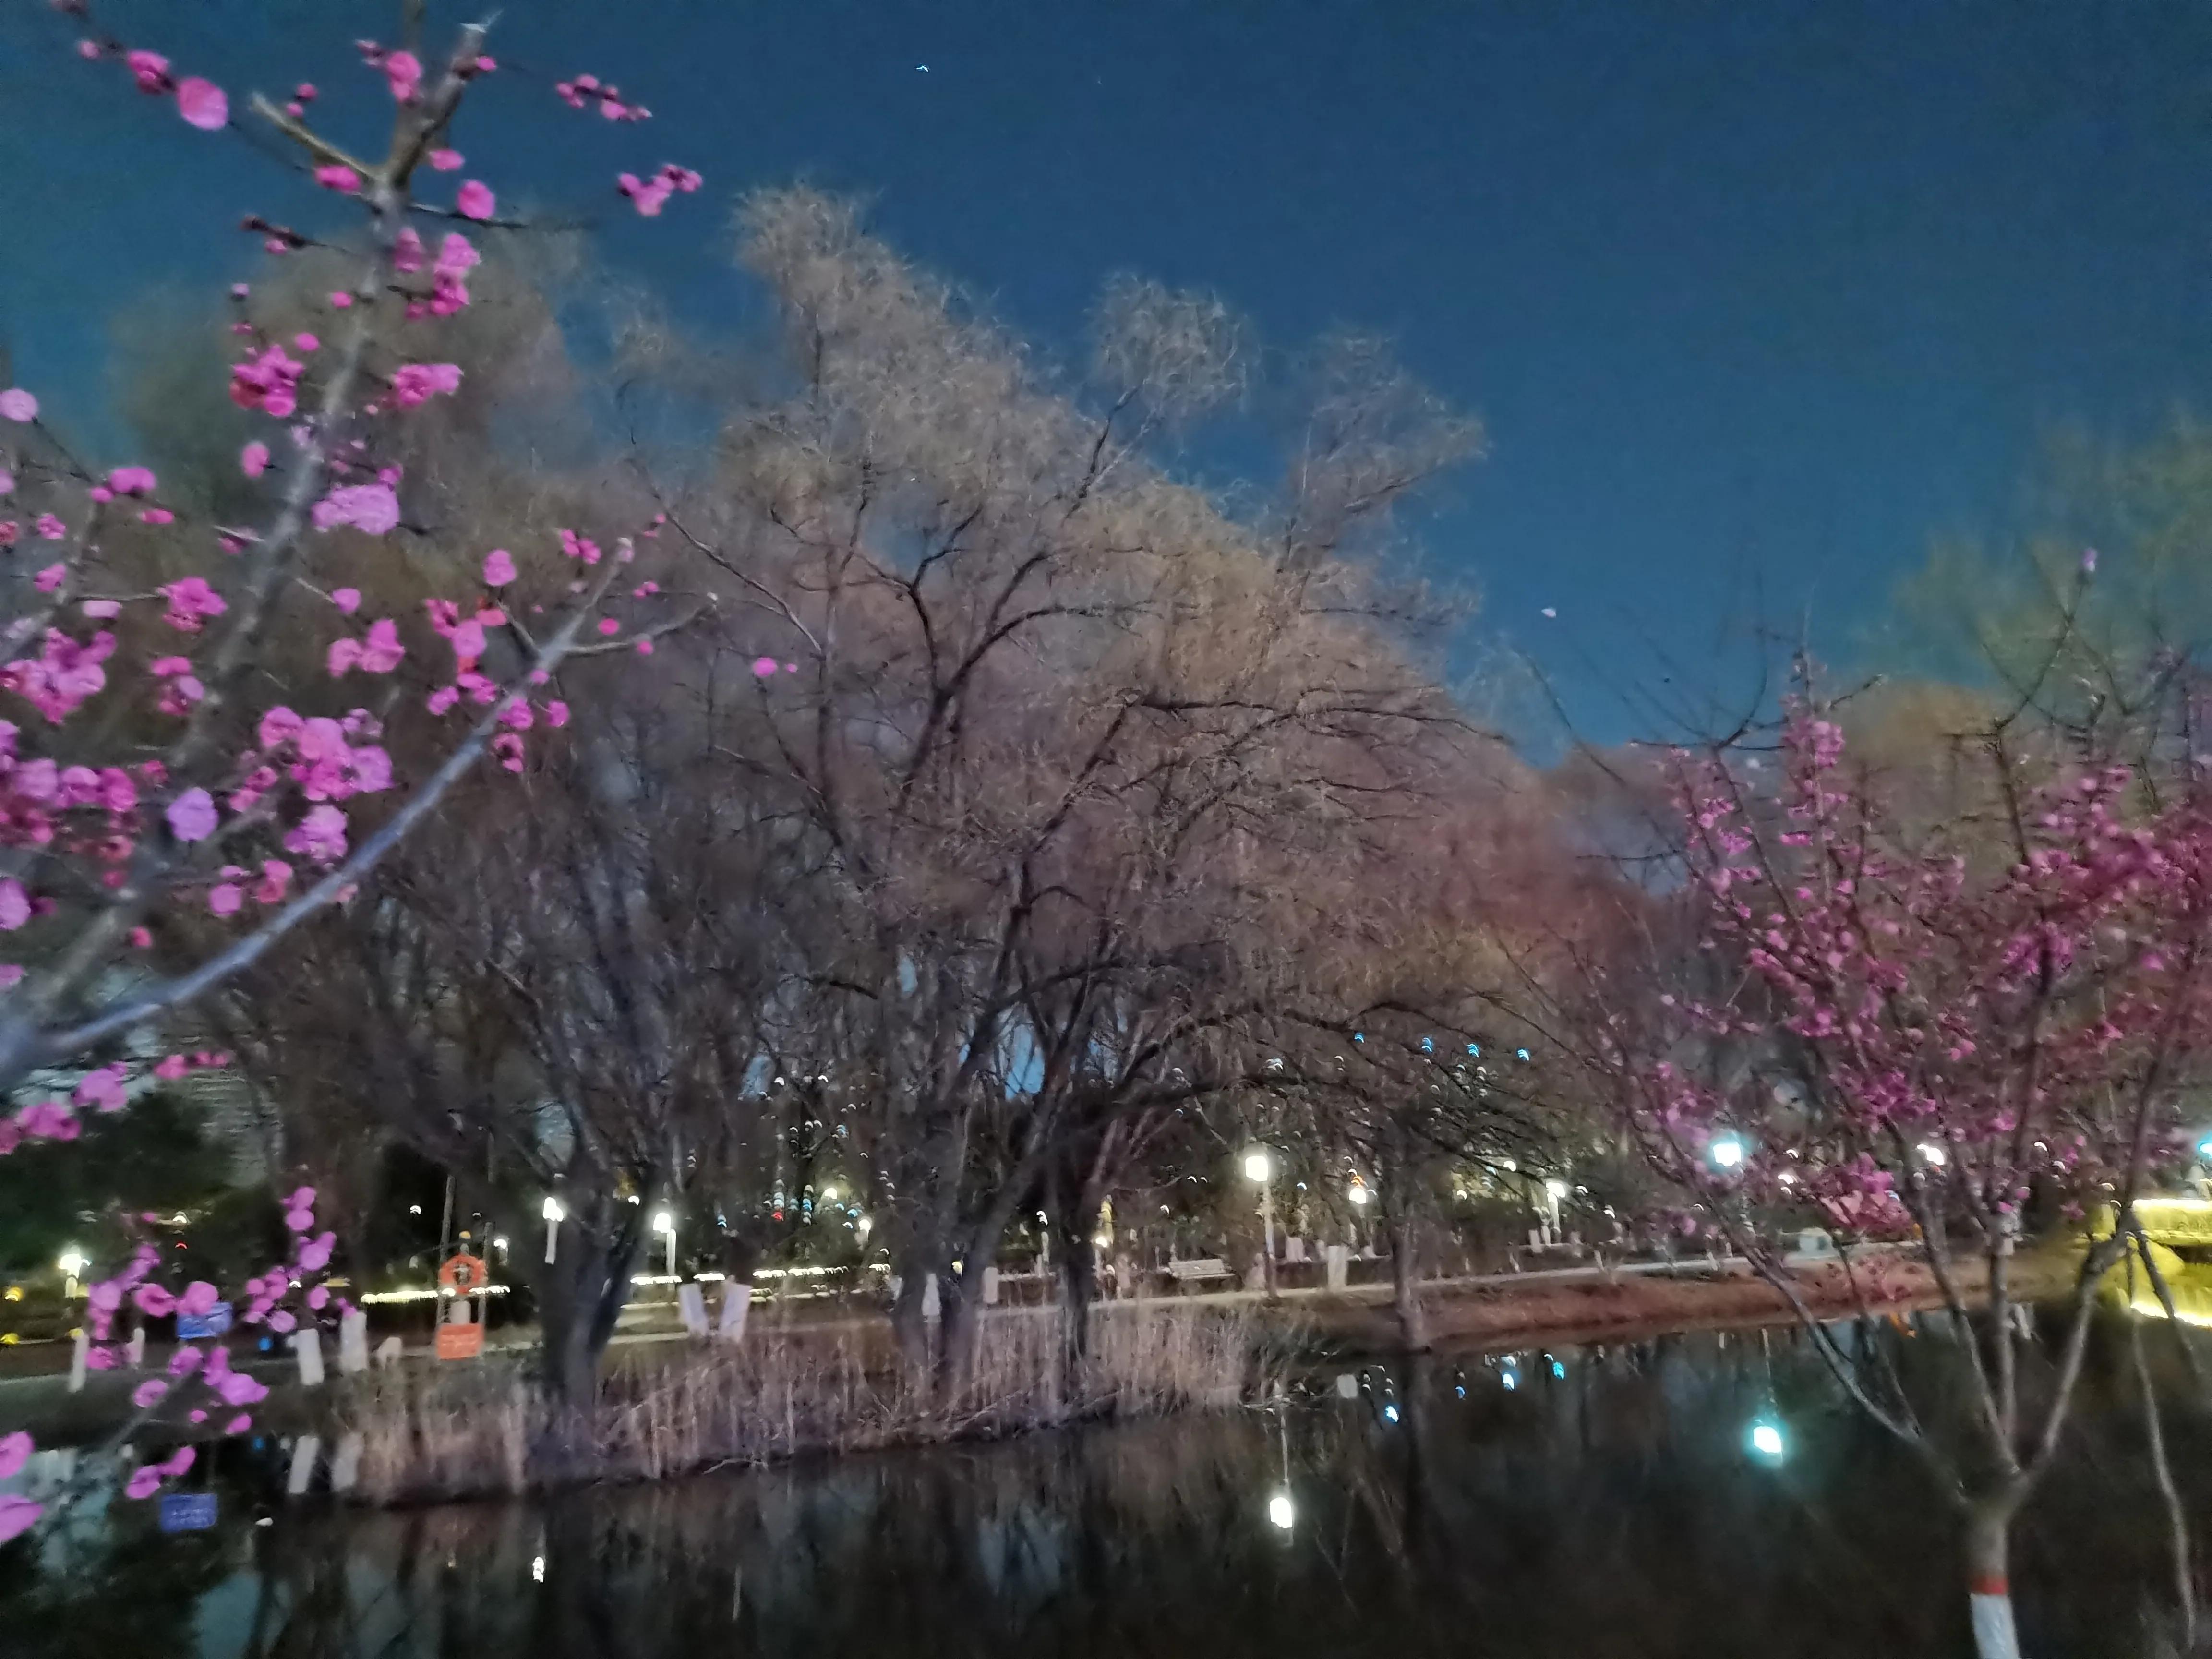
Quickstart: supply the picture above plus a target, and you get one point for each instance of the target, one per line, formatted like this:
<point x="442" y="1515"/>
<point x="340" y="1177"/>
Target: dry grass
<point x="459" y="1431"/>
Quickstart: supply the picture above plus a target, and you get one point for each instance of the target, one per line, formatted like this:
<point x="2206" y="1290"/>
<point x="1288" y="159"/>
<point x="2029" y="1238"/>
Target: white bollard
<point x="345" y="1463"/>
<point x="1338" y="1261"/>
<point x="388" y="1351"/>
<point x="736" y="1300"/>
<point x="990" y="1287"/>
<point x="1347" y="1386"/>
<point x="353" y="1342"/>
<point x="134" y="1350"/>
<point x="78" y="1350"/>
<point x="691" y="1308"/>
<point x="305" y="1450"/>
<point x="932" y="1306"/>
<point x="307" y="1344"/>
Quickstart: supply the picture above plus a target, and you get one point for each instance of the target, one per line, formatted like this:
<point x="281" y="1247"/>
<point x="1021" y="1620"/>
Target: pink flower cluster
<point x="418" y="383"/>
<point x="61" y="676"/>
<point x="650" y="194"/>
<point x="586" y="89"/>
<point x="269" y="381"/>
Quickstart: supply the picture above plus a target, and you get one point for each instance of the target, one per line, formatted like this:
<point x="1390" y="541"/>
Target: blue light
<point x="1428" y="1045"/>
<point x="1476" y="1049"/>
<point x="1512" y="1381"/>
<point x="1521" y="1054"/>
<point x="1767" y="1442"/>
<point x="1559" y="1368"/>
<point x="1390" y="1413"/>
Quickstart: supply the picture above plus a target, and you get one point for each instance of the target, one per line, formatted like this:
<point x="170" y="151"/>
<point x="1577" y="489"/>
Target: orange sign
<point x="463" y="1275"/>
<point x="460" y="1341"/>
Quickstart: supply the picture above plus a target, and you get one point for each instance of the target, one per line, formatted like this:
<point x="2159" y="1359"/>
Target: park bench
<point x="1199" y="1270"/>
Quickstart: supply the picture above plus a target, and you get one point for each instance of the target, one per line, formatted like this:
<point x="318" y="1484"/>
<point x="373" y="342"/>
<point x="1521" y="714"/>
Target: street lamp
<point x="1933" y="1155"/>
<point x="1261" y="1169"/>
<point x="1281" y="1512"/>
<point x="1554" y="1190"/>
<point x="1726" y="1153"/>
<point x="553" y="1212"/>
<point x="663" y="1222"/>
<point x="73" y="1262"/>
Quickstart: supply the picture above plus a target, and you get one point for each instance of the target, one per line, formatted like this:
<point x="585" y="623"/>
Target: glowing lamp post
<point x="73" y="1262"/>
<point x="1554" y="1190"/>
<point x="1281" y="1512"/>
<point x="663" y="1222"/>
<point x="552" y="1213"/>
<point x="1767" y="1442"/>
<point x="1259" y="1169"/>
<point x="1726" y="1153"/>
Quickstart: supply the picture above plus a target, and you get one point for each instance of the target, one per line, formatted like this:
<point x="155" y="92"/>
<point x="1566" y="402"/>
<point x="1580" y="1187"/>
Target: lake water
<point x="1606" y="1503"/>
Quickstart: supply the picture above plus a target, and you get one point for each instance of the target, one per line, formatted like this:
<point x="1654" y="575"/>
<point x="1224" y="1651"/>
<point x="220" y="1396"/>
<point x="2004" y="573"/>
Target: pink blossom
<point x="608" y="625"/>
<point x="321" y="836"/>
<point x="468" y="642"/>
<point x="191" y="601"/>
<point x="269" y="382"/>
<point x="556" y="714"/>
<point x="131" y="481"/>
<point x="508" y="748"/>
<point x="144" y="1483"/>
<point x="157" y="515"/>
<point x="50" y="577"/>
<point x="417" y="383"/>
<point x="64" y="674"/>
<point x="148" y="1393"/>
<point x="315" y="1254"/>
<point x="170" y="1067"/>
<point x="407" y="255"/>
<point x="202" y="104"/>
<point x="404" y="70"/>
<point x="371" y="508"/>
<point x="443" y="161"/>
<point x="763" y="666"/>
<point x="476" y="200"/>
<point x="15" y="904"/>
<point x="224" y="898"/>
<point x="237" y="1424"/>
<point x="498" y="567"/>
<point x="336" y="175"/>
<point x="50" y="528"/>
<point x="177" y="1462"/>
<point x="14" y="1452"/>
<point x="308" y="343"/>
<point x="101" y="610"/>
<point x="237" y="1389"/>
<point x="382" y="652"/>
<point x="17" y="404"/>
<point x="191" y="816"/>
<point x="154" y="1301"/>
<point x="150" y="70"/>
<point x="340" y="299"/>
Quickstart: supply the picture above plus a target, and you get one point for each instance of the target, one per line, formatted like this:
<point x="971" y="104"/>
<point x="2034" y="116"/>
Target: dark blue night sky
<point x="1753" y="298"/>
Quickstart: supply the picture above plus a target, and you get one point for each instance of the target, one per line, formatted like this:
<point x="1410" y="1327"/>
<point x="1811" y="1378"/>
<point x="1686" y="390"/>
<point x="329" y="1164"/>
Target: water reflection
<point x="1593" y="1501"/>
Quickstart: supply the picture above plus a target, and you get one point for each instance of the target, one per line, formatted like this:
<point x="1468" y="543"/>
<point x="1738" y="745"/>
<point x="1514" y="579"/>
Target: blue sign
<point x="187" y="1511"/>
<point x="197" y="1328"/>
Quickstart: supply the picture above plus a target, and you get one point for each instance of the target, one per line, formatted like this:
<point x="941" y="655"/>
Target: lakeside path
<point x="1489" y="1312"/>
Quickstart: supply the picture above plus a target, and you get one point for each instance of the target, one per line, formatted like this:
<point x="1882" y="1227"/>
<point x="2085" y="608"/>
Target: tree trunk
<point x="2177" y="1520"/>
<point x="1406" y="1285"/>
<point x="1989" y="1588"/>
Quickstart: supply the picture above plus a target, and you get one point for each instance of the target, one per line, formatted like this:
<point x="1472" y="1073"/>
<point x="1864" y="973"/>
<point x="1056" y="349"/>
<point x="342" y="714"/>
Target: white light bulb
<point x="1280" y="1512"/>
<point x="1257" y="1165"/>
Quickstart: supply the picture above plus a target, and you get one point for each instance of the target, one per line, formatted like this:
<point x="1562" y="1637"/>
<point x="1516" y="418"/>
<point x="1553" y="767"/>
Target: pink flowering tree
<point x="1935" y="1032"/>
<point x="176" y="796"/>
